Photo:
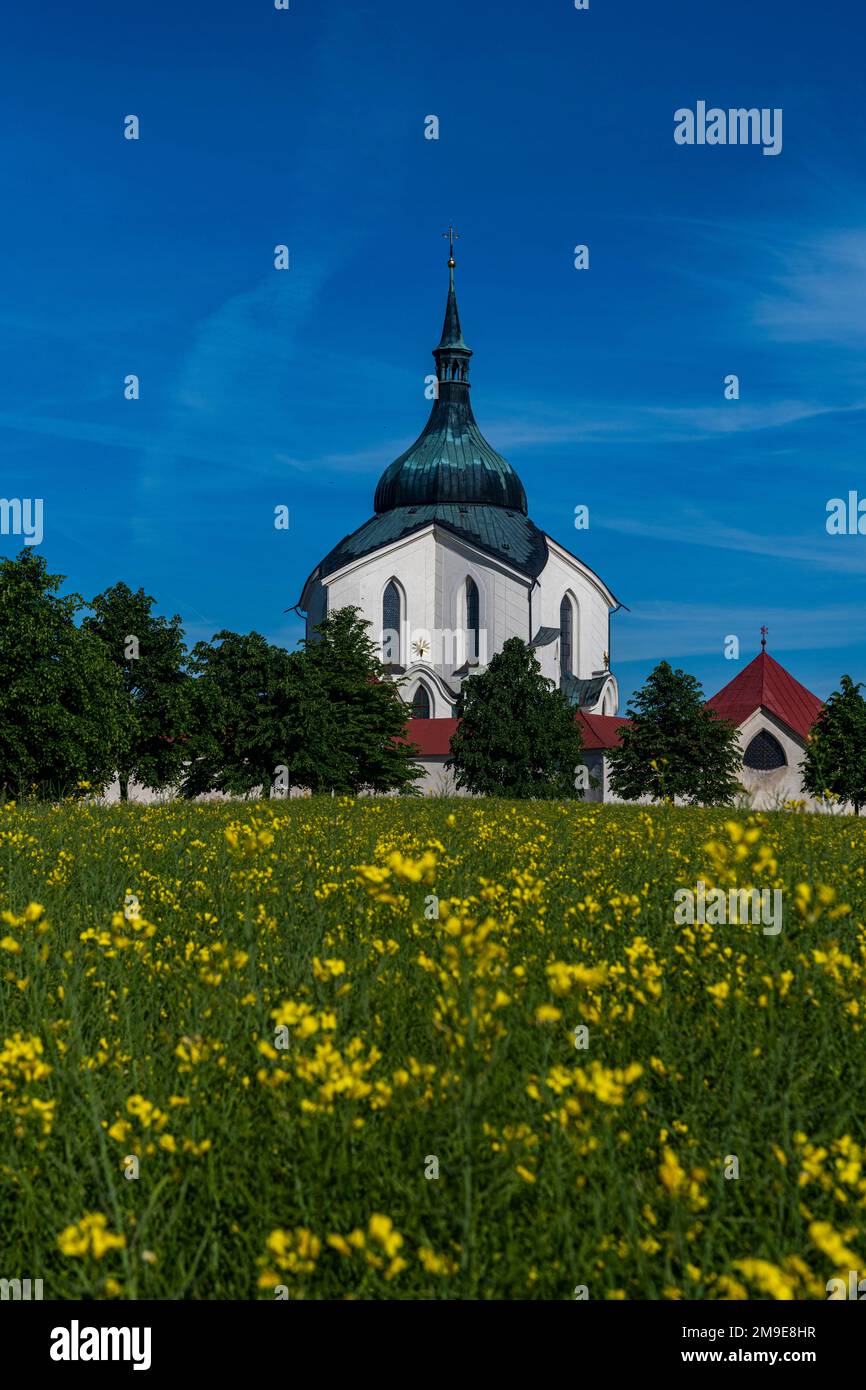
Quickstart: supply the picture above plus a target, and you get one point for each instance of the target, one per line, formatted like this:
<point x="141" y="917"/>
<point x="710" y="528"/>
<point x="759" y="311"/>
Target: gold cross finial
<point x="451" y="235"/>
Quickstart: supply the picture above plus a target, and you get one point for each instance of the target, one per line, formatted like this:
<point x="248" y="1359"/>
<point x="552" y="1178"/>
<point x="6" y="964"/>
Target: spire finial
<point x="764" y="631"/>
<point x="452" y="337"/>
<point x="451" y="235"/>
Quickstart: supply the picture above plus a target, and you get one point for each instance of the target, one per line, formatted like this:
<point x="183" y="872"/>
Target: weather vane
<point x="452" y="237"/>
<point x="764" y="631"/>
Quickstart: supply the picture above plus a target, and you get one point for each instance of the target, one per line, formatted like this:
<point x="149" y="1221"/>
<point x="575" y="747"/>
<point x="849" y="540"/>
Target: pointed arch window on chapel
<point x="765" y="753"/>
<point x="421" y="704"/>
<point x="566" y="637"/>
<point x="391" y="620"/>
<point x="472" y="619"/>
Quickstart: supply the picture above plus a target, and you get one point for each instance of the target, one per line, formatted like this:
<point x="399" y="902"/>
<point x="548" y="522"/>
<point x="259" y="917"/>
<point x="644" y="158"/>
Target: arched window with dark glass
<point x="421" y="703"/>
<point x="472" y="619"/>
<point x="764" y="753"/>
<point x="391" y="618"/>
<point x="566" y="637"/>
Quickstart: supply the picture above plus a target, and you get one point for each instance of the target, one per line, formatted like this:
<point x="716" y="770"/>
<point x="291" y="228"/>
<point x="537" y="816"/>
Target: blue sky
<point x="603" y="387"/>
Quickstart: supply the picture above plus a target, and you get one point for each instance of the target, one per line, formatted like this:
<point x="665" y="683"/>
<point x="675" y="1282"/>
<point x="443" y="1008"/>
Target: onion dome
<point x="451" y="461"/>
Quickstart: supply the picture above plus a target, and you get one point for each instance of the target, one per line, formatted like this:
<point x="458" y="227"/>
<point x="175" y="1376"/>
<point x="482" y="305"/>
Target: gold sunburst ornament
<point x="420" y="648"/>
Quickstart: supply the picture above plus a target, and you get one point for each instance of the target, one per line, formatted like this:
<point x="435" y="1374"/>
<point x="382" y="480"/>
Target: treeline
<point x="518" y="738"/>
<point x="90" y="690"/>
<point x="675" y="746"/>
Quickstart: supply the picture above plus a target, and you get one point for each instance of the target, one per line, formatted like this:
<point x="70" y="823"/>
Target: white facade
<point x="591" y="602"/>
<point x="434" y="649"/>
<point x="770" y="789"/>
<point x="451" y="567"/>
<point x="763" y="789"/>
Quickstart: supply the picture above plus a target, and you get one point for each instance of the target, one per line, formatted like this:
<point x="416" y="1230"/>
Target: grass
<point x="326" y="1090"/>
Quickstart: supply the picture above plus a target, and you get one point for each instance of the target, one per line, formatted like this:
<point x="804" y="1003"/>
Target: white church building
<point x="450" y="566"/>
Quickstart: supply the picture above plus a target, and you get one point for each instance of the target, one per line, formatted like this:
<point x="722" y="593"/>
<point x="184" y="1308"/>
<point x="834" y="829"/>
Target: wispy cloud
<point x="819" y="295"/>
<point x="652" y="424"/>
<point x="228" y="406"/>
<point x="669" y="630"/>
<point x="362" y="461"/>
<point x="693" y="527"/>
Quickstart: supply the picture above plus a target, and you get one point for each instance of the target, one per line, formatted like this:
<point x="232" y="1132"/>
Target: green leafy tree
<point x="323" y="714"/>
<point x="518" y="735"/>
<point x="149" y="654"/>
<point x="355" y="725"/>
<point x="243" y="720"/>
<point x="835" y="758"/>
<point x="64" y="717"/>
<point x="675" y="745"/>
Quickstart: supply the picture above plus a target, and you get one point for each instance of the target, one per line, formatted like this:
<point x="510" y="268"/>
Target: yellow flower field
<point x="428" y="1049"/>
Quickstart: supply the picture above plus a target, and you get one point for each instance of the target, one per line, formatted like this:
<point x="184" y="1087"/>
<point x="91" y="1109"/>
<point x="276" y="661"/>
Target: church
<point x="450" y="566"/>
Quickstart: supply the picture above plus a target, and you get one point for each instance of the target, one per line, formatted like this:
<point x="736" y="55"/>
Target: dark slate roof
<point x="452" y="333"/>
<point x="508" y="535"/>
<point x="450" y="461"/>
<point x="544" y="636"/>
<point x="582" y="693"/>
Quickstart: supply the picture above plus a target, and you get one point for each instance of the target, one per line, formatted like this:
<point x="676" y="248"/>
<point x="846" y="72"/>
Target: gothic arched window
<point x="764" y="753"/>
<point x="566" y="637"/>
<point x="421" y="703"/>
<point x="391" y="618"/>
<point x="472" y="619"/>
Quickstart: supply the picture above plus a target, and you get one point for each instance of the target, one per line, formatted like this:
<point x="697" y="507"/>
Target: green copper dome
<point x="451" y="461"/>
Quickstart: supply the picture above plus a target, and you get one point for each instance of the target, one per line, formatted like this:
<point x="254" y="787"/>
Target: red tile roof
<point x="764" y="684"/>
<point x="433" y="736"/>
<point x="600" y="730"/>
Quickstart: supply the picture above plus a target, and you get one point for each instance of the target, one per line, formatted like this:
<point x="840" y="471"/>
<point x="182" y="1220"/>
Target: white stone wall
<point x="503" y="595"/>
<point x="764" y="791"/>
<point x="596" y="765"/>
<point x="412" y="564"/>
<point x="146" y="796"/>
<point x="430" y="569"/>
<point x="591" y="604"/>
<point x="564" y="574"/>
<point x="770" y="790"/>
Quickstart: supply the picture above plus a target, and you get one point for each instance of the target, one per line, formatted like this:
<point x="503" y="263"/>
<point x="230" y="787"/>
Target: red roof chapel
<point x="764" y="684"/>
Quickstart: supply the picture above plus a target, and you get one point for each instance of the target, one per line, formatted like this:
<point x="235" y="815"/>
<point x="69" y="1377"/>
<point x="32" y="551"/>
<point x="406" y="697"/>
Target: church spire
<point x="450" y="463"/>
<point x="452" y="355"/>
